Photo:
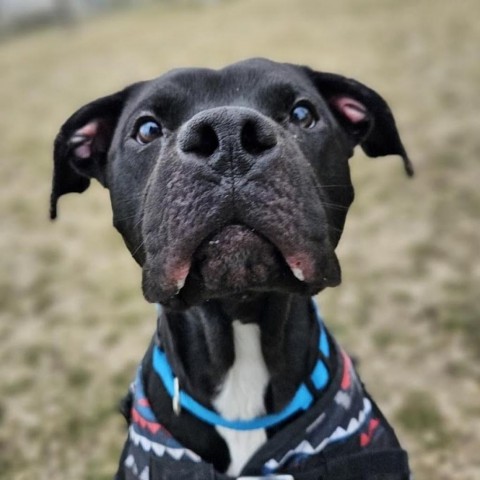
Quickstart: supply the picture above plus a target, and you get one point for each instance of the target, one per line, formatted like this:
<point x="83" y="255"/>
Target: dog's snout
<point x="200" y="139"/>
<point x="228" y="131"/>
<point x="256" y="137"/>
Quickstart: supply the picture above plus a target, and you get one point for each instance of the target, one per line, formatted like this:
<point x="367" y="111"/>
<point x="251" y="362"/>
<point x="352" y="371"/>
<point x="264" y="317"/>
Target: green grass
<point x="420" y="416"/>
<point x="73" y="324"/>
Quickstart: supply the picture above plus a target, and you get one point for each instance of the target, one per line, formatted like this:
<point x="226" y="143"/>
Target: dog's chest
<point x="241" y="396"/>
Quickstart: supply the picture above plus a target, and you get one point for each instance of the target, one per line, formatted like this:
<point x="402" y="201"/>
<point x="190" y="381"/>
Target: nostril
<point x="256" y="138"/>
<point x="201" y="140"/>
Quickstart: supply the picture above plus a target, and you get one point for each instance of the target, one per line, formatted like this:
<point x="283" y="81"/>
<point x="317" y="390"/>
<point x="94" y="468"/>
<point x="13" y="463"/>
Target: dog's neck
<point x="242" y="359"/>
<point x="200" y="344"/>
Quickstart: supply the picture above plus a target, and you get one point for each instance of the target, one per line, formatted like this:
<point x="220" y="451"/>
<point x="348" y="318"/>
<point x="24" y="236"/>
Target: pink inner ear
<point x="89" y="130"/>
<point x="83" y="139"/>
<point x="351" y="109"/>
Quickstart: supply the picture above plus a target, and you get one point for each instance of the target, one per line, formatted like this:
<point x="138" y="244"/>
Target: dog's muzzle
<point x="235" y="209"/>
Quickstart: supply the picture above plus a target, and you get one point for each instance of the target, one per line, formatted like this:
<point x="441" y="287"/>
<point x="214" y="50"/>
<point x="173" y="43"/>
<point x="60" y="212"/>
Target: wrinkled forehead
<point x="257" y="83"/>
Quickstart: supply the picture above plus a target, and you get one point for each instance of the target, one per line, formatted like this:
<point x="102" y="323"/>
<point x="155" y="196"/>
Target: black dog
<point x="230" y="189"/>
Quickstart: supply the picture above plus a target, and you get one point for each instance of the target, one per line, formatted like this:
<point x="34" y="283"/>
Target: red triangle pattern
<point x="151" y="426"/>
<point x="347" y="365"/>
<point x="365" y="438"/>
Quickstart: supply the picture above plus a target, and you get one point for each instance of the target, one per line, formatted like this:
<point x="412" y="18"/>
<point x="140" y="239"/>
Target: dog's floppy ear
<point x="81" y="146"/>
<point x="364" y="114"/>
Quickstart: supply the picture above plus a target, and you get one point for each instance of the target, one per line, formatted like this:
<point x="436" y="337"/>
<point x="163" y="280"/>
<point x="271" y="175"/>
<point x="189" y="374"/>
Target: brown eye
<point x="148" y="131"/>
<point x="303" y="116"/>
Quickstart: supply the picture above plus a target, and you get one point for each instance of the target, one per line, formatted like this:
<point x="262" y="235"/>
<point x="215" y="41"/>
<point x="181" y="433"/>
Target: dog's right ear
<point x="81" y="146"/>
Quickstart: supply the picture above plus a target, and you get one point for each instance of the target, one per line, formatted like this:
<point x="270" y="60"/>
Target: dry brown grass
<point x="73" y="323"/>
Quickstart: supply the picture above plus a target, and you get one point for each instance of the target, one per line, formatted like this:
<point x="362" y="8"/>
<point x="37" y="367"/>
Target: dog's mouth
<point x="235" y="260"/>
<point x="238" y="258"/>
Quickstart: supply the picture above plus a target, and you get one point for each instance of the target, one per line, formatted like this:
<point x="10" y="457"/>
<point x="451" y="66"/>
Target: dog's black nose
<point x="228" y="133"/>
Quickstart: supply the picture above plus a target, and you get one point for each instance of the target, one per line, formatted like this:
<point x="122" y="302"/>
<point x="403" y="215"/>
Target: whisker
<point x="335" y="229"/>
<point x="336" y="206"/>
<point x="138" y="248"/>
<point x="125" y="218"/>
<point x="136" y="224"/>
<point x="130" y="198"/>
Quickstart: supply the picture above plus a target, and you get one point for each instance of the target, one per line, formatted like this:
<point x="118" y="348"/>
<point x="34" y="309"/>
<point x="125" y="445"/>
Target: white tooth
<point x="338" y="433"/>
<point x="158" y="449"/>
<point x="176" y="453"/>
<point x="180" y="284"/>
<point x="192" y="456"/>
<point x="129" y="461"/>
<point x="133" y="435"/>
<point x="145" y="475"/>
<point x="352" y="425"/>
<point x="298" y="274"/>
<point x="146" y="444"/>
<point x="305" y="447"/>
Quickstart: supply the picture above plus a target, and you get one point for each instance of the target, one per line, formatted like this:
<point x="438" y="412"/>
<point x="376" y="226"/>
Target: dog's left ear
<point x="81" y="146"/>
<point x="363" y="113"/>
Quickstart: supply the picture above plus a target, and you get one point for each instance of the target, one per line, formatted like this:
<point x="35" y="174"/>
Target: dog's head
<point x="231" y="181"/>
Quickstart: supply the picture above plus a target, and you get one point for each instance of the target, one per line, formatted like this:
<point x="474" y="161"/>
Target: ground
<point x="73" y="323"/>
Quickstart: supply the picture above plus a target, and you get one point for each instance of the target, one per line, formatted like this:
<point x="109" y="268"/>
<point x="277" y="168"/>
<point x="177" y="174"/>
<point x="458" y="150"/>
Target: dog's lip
<point x="181" y="274"/>
<point x="180" y="278"/>
<point x="300" y="265"/>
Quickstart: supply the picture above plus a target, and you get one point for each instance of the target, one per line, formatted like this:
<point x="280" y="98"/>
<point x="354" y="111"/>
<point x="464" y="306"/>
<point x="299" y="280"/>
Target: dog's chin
<point x="237" y="259"/>
<point x="240" y="262"/>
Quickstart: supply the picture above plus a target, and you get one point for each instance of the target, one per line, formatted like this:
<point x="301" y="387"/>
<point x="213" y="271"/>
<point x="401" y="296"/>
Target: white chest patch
<point x="241" y="396"/>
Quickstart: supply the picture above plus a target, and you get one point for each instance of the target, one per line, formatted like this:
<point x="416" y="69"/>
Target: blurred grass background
<point x="73" y="323"/>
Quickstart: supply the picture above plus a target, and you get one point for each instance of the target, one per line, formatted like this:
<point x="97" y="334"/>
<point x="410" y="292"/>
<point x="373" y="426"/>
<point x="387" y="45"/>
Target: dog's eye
<point x="303" y="116"/>
<point x="147" y="131"/>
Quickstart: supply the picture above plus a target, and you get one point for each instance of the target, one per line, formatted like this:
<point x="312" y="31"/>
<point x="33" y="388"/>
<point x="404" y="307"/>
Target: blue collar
<point x="301" y="401"/>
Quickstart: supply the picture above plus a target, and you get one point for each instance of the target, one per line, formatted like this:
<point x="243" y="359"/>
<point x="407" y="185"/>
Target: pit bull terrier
<point x="230" y="188"/>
